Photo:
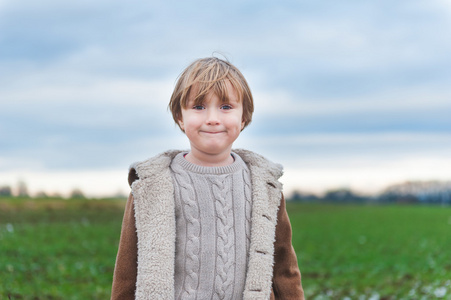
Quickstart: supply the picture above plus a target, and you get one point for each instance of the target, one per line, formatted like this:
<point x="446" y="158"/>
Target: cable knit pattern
<point x="191" y="213"/>
<point x="212" y="226"/>
<point x="225" y="236"/>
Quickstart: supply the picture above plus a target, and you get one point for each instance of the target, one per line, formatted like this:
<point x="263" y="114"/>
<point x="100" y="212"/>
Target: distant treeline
<point x="21" y="191"/>
<point x="428" y="192"/>
<point x="412" y="192"/>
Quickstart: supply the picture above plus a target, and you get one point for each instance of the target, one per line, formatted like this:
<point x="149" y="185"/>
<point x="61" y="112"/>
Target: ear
<point x="242" y="124"/>
<point x="182" y="125"/>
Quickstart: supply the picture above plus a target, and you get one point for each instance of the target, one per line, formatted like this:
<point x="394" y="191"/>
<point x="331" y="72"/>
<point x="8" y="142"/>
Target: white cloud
<point x="94" y="183"/>
<point x="419" y="98"/>
<point x="362" y="161"/>
<point x="369" y="178"/>
<point x="109" y="92"/>
<point x="369" y="139"/>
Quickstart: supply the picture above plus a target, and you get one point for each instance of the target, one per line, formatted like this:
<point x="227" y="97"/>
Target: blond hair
<point x="210" y="74"/>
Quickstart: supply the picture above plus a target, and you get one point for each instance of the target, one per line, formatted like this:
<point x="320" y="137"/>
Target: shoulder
<point x="260" y="164"/>
<point x="152" y="166"/>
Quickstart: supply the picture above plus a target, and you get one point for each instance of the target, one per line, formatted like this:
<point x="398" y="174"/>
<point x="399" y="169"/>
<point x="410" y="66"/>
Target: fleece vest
<point x="156" y="225"/>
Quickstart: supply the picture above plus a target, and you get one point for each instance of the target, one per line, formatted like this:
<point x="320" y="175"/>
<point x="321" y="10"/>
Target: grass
<point x="58" y="249"/>
<point x="384" y="252"/>
<point x="65" y="249"/>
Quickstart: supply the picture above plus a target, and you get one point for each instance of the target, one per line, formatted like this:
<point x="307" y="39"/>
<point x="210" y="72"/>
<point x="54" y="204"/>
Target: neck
<point x="209" y="160"/>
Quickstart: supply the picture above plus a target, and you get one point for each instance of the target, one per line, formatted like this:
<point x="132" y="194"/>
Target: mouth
<point x="212" y="132"/>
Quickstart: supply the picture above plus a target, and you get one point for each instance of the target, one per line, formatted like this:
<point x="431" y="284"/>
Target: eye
<point x="226" y="107"/>
<point x="198" y="107"/>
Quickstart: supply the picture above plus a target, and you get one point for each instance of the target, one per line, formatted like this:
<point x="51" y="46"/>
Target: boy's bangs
<point x="219" y="88"/>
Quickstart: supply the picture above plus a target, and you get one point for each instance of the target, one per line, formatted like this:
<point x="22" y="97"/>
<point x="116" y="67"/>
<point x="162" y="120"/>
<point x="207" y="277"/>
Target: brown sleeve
<point x="287" y="277"/>
<point x="125" y="270"/>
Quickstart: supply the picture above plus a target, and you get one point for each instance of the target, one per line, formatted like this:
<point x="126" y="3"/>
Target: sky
<point x="347" y="94"/>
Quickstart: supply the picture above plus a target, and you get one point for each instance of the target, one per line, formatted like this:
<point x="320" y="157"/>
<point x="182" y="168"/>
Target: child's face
<point x="213" y="126"/>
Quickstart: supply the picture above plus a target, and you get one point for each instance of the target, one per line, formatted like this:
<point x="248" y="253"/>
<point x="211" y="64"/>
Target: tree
<point x="5" y="191"/>
<point x="77" y="194"/>
<point x="342" y="195"/>
<point x="302" y="196"/>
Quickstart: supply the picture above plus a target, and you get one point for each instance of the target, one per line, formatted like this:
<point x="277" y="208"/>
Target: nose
<point x="212" y="117"/>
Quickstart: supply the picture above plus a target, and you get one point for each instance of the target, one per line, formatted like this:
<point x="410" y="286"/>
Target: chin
<point x="215" y="149"/>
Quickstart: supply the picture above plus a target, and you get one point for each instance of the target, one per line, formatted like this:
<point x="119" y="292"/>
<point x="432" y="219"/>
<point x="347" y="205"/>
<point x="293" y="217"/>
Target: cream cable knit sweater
<point x="213" y="215"/>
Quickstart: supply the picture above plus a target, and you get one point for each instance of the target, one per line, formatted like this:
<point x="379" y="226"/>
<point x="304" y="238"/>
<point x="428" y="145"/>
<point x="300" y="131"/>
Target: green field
<point x="373" y="252"/>
<point x="65" y="249"/>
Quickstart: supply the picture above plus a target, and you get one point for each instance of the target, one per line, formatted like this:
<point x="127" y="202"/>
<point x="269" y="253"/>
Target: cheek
<point x="192" y="122"/>
<point x="188" y="118"/>
<point x="237" y="121"/>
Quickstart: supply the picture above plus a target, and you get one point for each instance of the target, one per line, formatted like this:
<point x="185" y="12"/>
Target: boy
<point x="207" y="223"/>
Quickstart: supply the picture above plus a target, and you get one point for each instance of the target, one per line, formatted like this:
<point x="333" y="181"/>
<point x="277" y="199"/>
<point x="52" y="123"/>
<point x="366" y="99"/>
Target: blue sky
<point x="347" y="94"/>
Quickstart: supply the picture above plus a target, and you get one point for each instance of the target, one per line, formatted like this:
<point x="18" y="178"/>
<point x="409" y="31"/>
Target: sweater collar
<point x="269" y="171"/>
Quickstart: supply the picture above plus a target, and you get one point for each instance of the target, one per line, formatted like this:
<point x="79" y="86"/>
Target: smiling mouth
<point x="212" y="132"/>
